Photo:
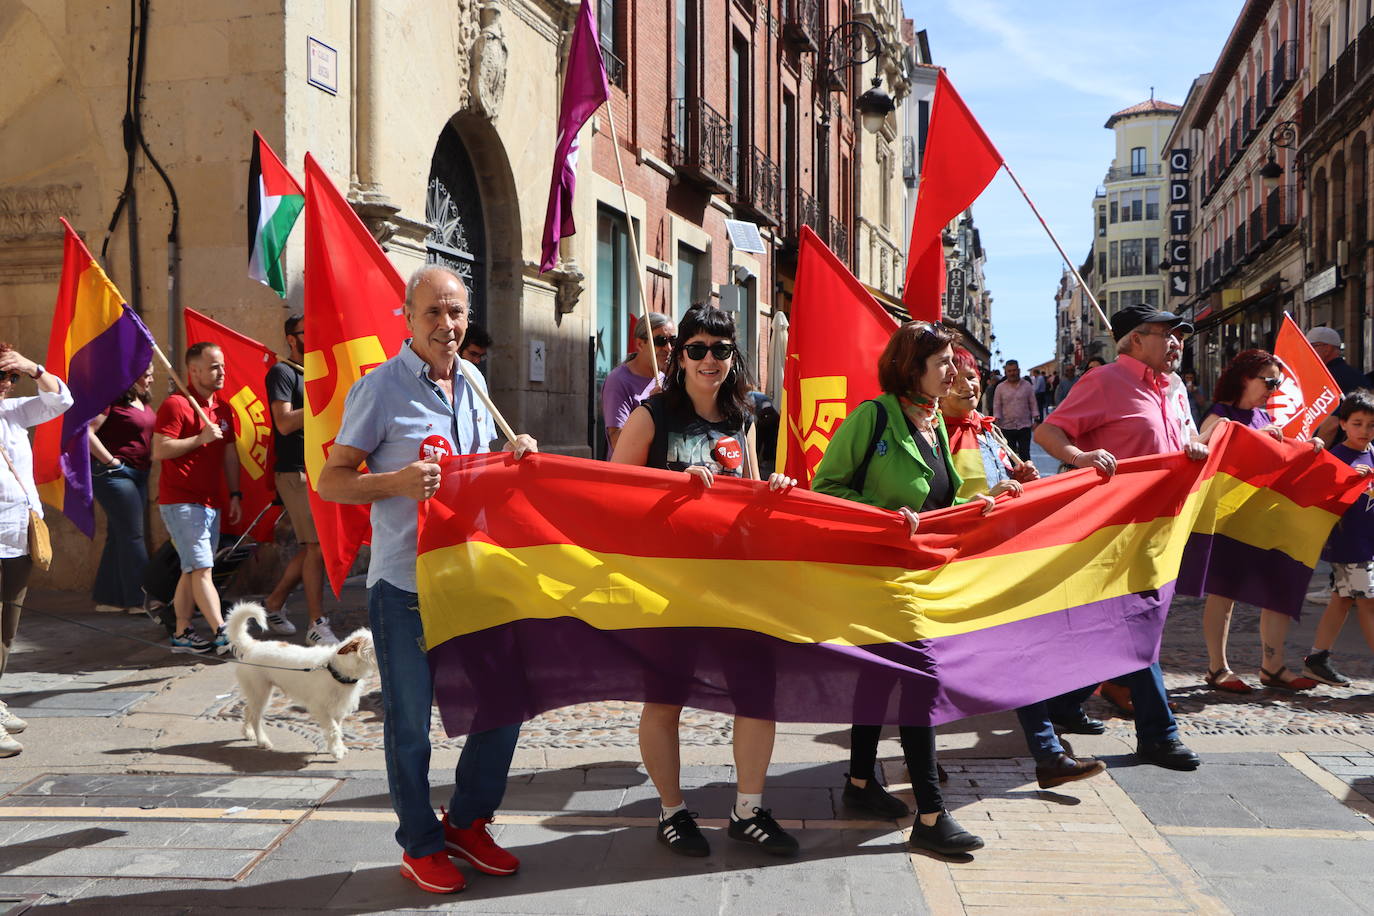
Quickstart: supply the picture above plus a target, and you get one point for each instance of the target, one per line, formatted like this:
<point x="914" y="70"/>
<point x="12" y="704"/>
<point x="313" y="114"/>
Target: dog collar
<point x="339" y="677"/>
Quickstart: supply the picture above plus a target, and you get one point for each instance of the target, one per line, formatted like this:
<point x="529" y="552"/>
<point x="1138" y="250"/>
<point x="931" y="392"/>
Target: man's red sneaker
<point x="434" y="873"/>
<point x="475" y="844"/>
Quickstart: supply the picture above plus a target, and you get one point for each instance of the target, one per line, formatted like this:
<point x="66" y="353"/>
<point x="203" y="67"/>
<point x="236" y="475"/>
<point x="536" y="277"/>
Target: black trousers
<point x="918" y="746"/>
<point x="1019" y="440"/>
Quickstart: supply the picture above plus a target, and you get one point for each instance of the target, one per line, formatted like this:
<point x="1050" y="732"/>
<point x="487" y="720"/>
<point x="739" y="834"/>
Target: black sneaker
<point x="1317" y="666"/>
<point x="945" y="836"/>
<point x="681" y="834"/>
<point x="874" y="799"/>
<point x="764" y="832"/>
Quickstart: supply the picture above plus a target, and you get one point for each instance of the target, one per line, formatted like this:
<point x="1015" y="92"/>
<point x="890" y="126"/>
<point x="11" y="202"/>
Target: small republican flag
<point x="1307" y="393"/>
<point x="274" y="202"/>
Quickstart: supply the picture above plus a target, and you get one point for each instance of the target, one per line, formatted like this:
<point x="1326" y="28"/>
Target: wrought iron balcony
<point x="758" y="187"/>
<point x="1364" y="58"/>
<point x="801" y="24"/>
<point x="800" y="209"/>
<point x="839" y="239"/>
<point x="1345" y="69"/>
<point x="615" y="68"/>
<point x="1284" y="73"/>
<point x="1264" y="102"/>
<point x="701" y="147"/>
<point x="1281" y="211"/>
<point x="1256" y="234"/>
<point x="1126" y="173"/>
<point x="1248" y="122"/>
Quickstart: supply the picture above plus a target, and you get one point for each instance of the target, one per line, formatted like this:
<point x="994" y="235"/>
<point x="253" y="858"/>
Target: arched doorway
<point x="453" y="207"/>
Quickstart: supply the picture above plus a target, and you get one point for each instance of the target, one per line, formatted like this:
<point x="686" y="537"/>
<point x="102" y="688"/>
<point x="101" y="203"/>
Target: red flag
<point x="353" y="323"/>
<point x="245" y="389"/>
<point x="827" y="374"/>
<point x="959" y="162"/>
<point x="1308" y="394"/>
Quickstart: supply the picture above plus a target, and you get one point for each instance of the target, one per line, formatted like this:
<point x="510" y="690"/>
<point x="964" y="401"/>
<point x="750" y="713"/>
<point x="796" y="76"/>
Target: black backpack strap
<point x="856" y="483"/>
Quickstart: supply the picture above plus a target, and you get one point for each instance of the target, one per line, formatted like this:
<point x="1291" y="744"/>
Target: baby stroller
<point x="164" y="571"/>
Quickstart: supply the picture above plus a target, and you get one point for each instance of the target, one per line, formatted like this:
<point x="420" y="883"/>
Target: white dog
<point x="327" y="680"/>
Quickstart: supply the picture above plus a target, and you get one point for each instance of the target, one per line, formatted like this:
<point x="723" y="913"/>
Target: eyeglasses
<point x="1170" y="332"/>
<point x="720" y="350"/>
<point x="1272" y="382"/>
<point x="662" y="341"/>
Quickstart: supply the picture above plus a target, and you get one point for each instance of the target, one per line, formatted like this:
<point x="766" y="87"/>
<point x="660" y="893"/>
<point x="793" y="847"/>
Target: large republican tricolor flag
<point x="353" y="323"/>
<point x="584" y="91"/>
<point x="959" y="162"/>
<point x="99" y="347"/>
<point x="553" y="581"/>
<point x="245" y="390"/>
<point x="274" y="202"/>
<point x="1307" y="394"/>
<point x="837" y="331"/>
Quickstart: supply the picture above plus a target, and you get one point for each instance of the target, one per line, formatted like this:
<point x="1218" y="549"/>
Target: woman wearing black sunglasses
<point x="1241" y="393"/>
<point x="702" y="424"/>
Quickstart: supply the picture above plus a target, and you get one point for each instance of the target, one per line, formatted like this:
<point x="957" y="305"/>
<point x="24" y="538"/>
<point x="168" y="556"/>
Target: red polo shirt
<point x="198" y="476"/>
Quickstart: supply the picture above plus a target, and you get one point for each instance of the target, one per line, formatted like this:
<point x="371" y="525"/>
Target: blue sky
<point x="1043" y="78"/>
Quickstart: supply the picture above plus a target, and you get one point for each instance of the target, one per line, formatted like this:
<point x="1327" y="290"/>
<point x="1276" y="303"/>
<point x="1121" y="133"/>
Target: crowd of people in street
<point x="682" y="402"/>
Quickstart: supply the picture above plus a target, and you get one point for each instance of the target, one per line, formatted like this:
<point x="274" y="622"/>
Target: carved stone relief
<point x="32" y="212"/>
<point x="487" y="83"/>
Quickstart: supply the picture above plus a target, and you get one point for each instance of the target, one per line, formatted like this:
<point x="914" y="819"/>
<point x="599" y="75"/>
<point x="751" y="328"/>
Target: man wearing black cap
<point x="1125" y="410"/>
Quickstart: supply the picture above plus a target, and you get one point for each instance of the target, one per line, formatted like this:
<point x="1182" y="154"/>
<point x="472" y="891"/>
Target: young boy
<point x="1350" y="548"/>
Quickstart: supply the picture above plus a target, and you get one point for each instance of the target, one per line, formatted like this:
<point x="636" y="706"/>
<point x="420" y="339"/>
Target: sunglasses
<point x="661" y="341"/>
<point x="1271" y="382"/>
<point x="697" y="351"/>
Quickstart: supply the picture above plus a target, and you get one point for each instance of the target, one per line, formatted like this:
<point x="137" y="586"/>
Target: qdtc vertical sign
<point x="1180" y="220"/>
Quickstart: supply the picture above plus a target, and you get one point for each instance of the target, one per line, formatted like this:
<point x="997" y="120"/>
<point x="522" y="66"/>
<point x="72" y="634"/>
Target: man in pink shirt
<point x="1015" y="409"/>
<point x="1124" y="410"/>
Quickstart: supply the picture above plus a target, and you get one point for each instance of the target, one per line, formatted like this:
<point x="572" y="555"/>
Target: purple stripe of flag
<point x="482" y="680"/>
<point x="1214" y="564"/>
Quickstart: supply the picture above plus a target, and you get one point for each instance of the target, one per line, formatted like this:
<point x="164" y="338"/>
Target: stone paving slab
<point x="105" y="788"/>
<point x="1222" y="793"/>
<point x="102" y="704"/>
<point x="95" y="862"/>
<point x="147" y="834"/>
<point x="1283" y="874"/>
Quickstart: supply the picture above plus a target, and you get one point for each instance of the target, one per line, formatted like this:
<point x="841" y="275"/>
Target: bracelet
<point x="235" y="494"/>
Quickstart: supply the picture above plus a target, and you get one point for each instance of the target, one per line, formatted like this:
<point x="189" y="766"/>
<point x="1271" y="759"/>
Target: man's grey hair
<point x="657" y="321"/>
<point x="1126" y="344"/>
<point x="423" y="274"/>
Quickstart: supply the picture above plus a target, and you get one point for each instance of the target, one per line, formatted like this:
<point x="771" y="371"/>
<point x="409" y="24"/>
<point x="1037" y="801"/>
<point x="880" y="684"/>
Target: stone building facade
<point x="437" y="120"/>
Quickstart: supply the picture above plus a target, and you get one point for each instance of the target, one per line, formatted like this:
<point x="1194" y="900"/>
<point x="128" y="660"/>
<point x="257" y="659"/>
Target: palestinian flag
<point x="274" y="202"/>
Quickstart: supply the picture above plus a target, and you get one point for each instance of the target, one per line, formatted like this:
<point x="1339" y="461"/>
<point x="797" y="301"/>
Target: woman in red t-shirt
<point x="121" y="456"/>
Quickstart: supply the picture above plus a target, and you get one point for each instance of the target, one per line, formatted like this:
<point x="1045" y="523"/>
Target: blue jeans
<point x="479" y="781"/>
<point x="123" y="493"/>
<point x="1035" y="723"/>
<point x="1154" y="721"/>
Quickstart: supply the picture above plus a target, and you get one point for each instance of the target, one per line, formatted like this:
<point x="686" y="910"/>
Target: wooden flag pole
<point x="468" y="376"/>
<point x="181" y="386"/>
<point x="634" y="243"/>
<point x="1072" y="269"/>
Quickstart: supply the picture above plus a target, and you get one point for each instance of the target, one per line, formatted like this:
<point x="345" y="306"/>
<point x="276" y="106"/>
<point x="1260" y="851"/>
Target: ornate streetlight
<point x="851" y="44"/>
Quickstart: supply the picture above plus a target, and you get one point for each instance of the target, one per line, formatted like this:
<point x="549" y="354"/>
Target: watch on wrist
<point x="38" y="371"/>
<point x="235" y="494"/>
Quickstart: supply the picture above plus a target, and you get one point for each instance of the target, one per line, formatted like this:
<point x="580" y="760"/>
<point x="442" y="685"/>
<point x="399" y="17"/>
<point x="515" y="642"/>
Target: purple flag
<point x="584" y="91"/>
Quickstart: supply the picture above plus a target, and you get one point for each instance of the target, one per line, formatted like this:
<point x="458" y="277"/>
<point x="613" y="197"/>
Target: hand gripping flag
<point x="826" y="375"/>
<point x="353" y="323"/>
<point x="553" y="581"/>
<point x="1307" y="394"/>
<point x="99" y="347"/>
<point x="245" y="389"/>
<point x="584" y="91"/>
<point x="274" y="202"/>
<point x="959" y="162"/>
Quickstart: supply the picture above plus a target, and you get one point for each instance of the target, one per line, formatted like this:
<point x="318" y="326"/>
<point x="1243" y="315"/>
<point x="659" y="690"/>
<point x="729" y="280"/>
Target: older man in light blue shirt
<point x="401" y="418"/>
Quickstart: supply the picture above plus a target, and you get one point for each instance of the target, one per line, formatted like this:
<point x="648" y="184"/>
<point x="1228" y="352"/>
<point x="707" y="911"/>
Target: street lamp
<point x="853" y="50"/>
<point x="1284" y="134"/>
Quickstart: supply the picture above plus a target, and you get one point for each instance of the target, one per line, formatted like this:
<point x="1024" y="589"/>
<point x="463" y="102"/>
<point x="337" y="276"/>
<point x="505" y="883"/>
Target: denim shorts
<point x="195" y="532"/>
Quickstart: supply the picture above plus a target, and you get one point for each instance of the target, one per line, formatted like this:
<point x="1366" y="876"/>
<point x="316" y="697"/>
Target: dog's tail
<point x="239" y="617"/>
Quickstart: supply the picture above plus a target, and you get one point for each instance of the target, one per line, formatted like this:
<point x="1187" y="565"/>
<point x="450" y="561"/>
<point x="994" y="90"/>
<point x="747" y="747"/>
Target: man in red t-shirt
<point x="197" y="461"/>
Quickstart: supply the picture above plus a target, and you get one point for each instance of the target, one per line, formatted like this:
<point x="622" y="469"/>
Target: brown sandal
<point x="1227" y="681"/>
<point x="1274" y="681"/>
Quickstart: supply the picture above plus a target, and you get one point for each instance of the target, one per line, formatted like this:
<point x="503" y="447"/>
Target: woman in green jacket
<point x="893" y="452"/>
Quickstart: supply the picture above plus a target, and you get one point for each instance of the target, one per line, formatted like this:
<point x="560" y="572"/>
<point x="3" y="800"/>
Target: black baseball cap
<point x="1133" y="316"/>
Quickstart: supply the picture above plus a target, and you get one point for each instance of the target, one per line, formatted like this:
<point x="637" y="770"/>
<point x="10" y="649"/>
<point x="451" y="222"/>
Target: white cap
<point x="1325" y="335"/>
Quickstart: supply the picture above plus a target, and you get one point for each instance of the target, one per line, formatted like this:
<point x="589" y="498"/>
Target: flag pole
<point x="634" y="242"/>
<point x="1072" y="269"/>
<point x="468" y="372"/>
<point x="181" y="386"/>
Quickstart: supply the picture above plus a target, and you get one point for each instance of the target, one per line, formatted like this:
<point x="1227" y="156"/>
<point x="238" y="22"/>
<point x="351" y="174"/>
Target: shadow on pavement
<point x="236" y="754"/>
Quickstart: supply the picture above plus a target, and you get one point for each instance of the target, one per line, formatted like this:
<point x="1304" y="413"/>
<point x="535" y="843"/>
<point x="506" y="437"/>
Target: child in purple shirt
<point x="1350" y="548"/>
